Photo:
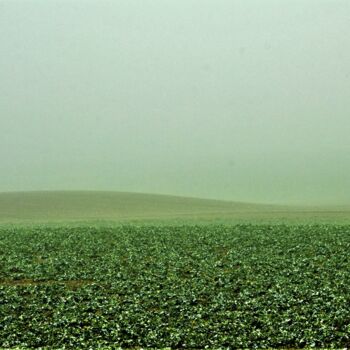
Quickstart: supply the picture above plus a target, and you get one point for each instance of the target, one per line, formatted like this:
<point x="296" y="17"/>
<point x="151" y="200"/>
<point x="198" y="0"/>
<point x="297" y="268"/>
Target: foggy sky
<point x="231" y="99"/>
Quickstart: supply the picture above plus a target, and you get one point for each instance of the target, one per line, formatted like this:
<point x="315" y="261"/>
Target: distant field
<point x="74" y="206"/>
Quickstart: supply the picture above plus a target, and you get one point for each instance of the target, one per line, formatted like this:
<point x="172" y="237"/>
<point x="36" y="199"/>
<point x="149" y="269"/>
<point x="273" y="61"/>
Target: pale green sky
<point x="235" y="99"/>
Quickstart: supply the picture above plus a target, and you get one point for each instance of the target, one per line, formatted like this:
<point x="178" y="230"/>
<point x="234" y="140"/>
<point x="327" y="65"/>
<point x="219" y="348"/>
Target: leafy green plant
<point x="242" y="286"/>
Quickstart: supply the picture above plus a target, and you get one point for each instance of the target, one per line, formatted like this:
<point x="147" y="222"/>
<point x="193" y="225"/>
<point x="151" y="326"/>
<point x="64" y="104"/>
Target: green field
<point x="124" y="207"/>
<point x="213" y="286"/>
<point x="122" y="270"/>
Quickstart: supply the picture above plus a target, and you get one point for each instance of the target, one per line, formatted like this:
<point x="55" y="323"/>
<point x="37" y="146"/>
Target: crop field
<point x="189" y="286"/>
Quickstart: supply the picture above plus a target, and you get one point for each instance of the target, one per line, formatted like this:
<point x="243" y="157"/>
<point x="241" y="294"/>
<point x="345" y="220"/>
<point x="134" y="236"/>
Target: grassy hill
<point x="85" y="206"/>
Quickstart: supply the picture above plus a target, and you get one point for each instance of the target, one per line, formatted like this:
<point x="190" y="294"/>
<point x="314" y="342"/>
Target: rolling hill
<point x="88" y="206"/>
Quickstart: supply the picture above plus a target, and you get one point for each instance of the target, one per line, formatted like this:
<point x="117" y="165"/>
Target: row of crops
<point x="242" y="286"/>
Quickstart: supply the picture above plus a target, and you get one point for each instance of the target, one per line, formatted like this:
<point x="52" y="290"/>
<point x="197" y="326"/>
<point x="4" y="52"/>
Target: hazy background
<point x="234" y="99"/>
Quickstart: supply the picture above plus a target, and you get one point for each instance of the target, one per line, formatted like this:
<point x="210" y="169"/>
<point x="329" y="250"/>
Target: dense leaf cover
<point x="242" y="286"/>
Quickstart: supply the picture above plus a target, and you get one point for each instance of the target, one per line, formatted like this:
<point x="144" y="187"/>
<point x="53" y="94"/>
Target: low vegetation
<point x="213" y="286"/>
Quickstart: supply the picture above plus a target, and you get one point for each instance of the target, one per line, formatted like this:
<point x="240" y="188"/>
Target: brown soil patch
<point x="25" y="282"/>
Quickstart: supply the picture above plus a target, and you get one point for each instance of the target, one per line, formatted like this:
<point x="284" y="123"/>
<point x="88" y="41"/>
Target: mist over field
<point x="174" y="174"/>
<point x="238" y="100"/>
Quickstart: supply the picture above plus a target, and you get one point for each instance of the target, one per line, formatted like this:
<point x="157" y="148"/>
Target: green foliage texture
<point x="214" y="286"/>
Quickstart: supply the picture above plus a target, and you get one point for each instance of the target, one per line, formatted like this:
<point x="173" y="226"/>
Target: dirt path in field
<point x="26" y="282"/>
